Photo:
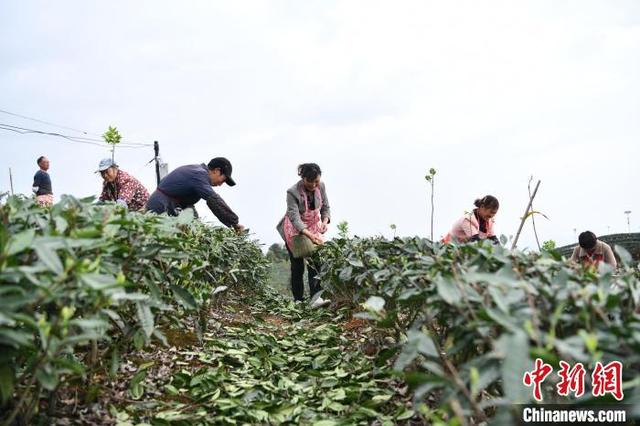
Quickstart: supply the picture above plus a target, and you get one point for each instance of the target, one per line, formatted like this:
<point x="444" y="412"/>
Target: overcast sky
<point x="488" y="93"/>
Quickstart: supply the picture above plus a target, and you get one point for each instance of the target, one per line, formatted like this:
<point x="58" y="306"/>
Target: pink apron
<point x="311" y="218"/>
<point x="45" y="200"/>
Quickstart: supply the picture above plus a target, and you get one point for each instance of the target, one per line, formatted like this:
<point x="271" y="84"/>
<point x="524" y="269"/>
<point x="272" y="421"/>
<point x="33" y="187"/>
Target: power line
<point x="46" y="122"/>
<point x="66" y="127"/>
<point x="77" y="139"/>
<point x="25" y="130"/>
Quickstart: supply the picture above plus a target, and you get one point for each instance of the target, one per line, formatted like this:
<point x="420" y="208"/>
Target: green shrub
<point x="471" y="319"/>
<point x="81" y="274"/>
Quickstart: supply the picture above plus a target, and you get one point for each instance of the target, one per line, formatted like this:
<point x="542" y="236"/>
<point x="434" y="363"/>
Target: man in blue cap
<point x="187" y="185"/>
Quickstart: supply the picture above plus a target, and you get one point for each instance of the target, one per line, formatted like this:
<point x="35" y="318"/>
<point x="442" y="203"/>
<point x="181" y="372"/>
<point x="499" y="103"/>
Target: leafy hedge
<point x="79" y="275"/>
<point x="472" y="318"/>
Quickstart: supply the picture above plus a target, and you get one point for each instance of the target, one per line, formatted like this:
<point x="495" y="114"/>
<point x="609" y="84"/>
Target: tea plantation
<point x="111" y="317"/>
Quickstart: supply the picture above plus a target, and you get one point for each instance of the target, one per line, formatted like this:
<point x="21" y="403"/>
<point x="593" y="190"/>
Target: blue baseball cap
<point x="105" y="163"/>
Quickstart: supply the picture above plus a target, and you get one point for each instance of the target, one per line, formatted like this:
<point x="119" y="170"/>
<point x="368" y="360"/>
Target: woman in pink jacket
<point x="477" y="225"/>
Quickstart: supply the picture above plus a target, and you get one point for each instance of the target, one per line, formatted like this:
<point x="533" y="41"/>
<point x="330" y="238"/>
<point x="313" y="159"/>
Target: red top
<point x="126" y="188"/>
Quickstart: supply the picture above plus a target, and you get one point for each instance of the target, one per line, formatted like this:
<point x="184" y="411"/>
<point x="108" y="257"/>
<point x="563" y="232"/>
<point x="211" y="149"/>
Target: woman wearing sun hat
<point x="120" y="187"/>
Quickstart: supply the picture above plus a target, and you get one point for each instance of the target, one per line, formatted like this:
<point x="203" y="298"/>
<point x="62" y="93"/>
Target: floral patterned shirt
<point x="126" y="188"/>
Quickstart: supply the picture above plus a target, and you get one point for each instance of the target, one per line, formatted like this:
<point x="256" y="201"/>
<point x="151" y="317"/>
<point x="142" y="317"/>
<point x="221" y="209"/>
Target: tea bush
<point x="471" y="319"/>
<point x="80" y="275"/>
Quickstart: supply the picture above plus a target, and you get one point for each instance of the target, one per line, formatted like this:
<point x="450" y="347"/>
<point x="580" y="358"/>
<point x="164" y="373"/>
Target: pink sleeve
<point x="470" y="228"/>
<point x="464" y="229"/>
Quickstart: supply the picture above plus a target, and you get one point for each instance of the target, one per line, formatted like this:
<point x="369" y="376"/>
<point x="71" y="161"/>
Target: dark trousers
<point x="297" y="276"/>
<point x="160" y="203"/>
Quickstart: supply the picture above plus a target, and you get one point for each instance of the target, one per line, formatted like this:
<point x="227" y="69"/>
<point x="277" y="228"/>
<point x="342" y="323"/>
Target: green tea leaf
<point x="49" y="257"/>
<point x="406" y="415"/>
<point x="48" y="379"/>
<point x="99" y="281"/>
<point x="20" y="242"/>
<point x="114" y="366"/>
<point x="448" y="290"/>
<point x="145" y="317"/>
<point x="6" y="382"/>
<point x="136" y="387"/>
<point x="515" y="349"/>
<point x="184" y="297"/>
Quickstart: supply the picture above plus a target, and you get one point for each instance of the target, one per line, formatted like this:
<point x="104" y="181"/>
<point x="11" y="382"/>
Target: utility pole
<point x="628" y="212"/>
<point x="156" y="149"/>
<point x="11" y="181"/>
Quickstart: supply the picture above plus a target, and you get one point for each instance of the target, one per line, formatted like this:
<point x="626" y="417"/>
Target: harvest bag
<point x="299" y="244"/>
